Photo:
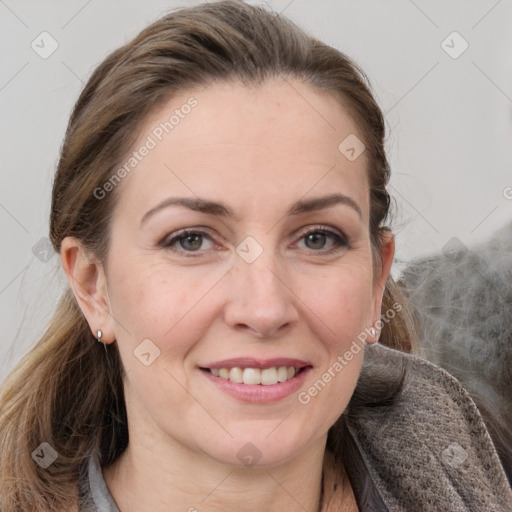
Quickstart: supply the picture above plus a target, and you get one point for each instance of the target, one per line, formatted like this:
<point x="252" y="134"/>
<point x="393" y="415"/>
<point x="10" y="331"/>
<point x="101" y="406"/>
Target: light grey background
<point x="449" y="118"/>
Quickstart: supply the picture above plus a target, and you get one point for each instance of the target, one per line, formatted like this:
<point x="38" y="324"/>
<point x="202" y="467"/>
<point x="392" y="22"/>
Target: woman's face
<point x="270" y="274"/>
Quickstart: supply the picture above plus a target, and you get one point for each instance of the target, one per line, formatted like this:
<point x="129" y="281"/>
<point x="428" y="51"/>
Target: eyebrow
<point x="222" y="210"/>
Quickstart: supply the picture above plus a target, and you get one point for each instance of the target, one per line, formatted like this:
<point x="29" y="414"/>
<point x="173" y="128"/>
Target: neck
<point x="155" y="475"/>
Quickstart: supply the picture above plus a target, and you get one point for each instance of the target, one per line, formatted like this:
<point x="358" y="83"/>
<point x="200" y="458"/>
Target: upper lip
<point x="249" y="362"/>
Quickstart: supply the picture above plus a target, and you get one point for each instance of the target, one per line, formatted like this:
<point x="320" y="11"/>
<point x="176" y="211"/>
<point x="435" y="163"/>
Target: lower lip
<point x="259" y="393"/>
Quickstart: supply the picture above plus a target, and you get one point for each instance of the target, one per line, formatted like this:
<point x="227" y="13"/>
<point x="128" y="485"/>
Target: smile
<point x="257" y="381"/>
<point x="256" y="376"/>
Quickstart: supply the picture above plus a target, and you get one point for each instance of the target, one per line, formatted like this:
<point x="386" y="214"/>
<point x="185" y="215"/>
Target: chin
<point x="260" y="447"/>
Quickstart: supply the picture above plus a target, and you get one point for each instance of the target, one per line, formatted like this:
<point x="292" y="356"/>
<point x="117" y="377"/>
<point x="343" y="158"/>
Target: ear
<point x="88" y="282"/>
<point x="387" y="254"/>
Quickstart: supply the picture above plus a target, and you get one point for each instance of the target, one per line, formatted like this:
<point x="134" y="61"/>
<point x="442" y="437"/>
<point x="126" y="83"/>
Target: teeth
<point x="255" y="376"/>
<point x="282" y="373"/>
<point x="236" y="375"/>
<point x="252" y="376"/>
<point x="269" y="376"/>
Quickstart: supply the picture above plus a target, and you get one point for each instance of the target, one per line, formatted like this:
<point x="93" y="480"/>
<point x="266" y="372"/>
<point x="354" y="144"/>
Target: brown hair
<point x="68" y="390"/>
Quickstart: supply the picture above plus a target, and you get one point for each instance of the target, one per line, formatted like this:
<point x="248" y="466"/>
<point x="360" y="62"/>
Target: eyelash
<point x="340" y="241"/>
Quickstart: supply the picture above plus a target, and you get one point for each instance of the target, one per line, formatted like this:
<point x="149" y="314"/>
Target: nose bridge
<point x="260" y="274"/>
<point x="262" y="279"/>
<point x="260" y="298"/>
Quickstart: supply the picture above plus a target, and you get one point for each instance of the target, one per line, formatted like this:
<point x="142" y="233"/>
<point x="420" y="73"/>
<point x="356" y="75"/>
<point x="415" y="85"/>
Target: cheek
<point x="341" y="301"/>
<point x="168" y="307"/>
<point x="163" y="307"/>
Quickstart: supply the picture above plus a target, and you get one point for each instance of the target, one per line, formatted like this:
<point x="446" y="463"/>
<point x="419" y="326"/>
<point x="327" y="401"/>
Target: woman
<point x="219" y="209"/>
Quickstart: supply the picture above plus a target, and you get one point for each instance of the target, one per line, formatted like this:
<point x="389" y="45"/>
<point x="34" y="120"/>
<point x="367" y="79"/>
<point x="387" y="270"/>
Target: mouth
<point x="257" y="381"/>
<point x="256" y="376"/>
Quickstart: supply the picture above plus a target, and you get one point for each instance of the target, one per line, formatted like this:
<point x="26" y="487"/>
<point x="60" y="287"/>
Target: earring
<point x="99" y="335"/>
<point x="373" y="332"/>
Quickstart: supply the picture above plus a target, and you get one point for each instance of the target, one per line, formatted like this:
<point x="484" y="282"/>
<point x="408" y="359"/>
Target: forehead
<point x="275" y="140"/>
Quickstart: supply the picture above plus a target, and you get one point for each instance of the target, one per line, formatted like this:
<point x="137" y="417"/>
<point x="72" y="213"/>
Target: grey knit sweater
<point x="462" y="303"/>
<point x="427" y="451"/>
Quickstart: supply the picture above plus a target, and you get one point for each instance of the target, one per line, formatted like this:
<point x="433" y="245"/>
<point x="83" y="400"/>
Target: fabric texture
<point x="430" y="450"/>
<point x="462" y="300"/>
<point x="427" y="451"/>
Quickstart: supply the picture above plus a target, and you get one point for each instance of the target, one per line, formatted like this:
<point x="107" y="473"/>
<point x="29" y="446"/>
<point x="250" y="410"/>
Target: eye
<point x="317" y="238"/>
<point x="187" y="241"/>
<point x="320" y="240"/>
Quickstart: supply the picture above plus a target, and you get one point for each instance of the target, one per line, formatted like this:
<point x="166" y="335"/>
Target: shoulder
<point x="423" y="379"/>
<point x="429" y="445"/>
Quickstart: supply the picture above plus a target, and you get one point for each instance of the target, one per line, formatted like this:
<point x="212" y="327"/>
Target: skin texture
<point x="258" y="150"/>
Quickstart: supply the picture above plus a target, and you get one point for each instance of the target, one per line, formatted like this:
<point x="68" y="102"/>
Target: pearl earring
<point x="99" y="335"/>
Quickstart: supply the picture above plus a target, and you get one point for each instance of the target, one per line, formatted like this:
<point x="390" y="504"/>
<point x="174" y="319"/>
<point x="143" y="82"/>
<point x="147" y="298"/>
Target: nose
<point x="261" y="299"/>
